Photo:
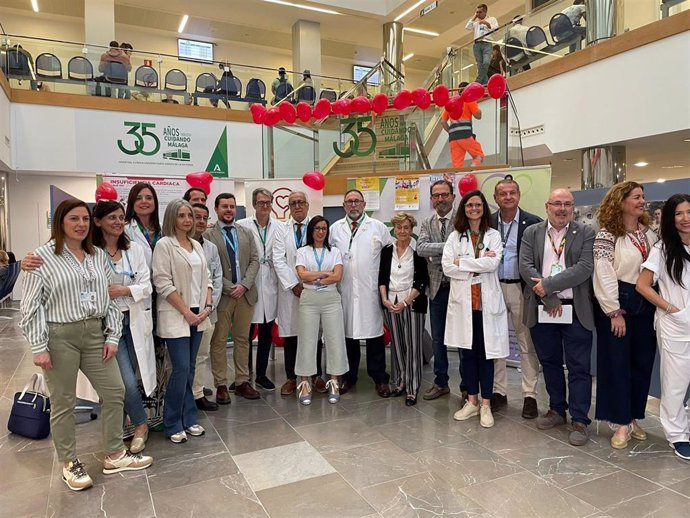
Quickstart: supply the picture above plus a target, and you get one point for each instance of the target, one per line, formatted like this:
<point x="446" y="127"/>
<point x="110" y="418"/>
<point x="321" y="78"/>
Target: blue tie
<point x="231" y="254"/>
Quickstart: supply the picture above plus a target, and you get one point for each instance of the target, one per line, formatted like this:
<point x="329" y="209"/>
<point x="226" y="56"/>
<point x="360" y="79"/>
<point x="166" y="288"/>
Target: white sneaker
<point x="128" y="462"/>
<point x="486" y="418"/>
<point x="196" y="430"/>
<point x="466" y="412"/>
<point x="178" y="437"/>
<point x="75" y="476"/>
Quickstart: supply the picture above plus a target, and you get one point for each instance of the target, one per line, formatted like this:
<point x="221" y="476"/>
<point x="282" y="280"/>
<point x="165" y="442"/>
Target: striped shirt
<point x="58" y="292"/>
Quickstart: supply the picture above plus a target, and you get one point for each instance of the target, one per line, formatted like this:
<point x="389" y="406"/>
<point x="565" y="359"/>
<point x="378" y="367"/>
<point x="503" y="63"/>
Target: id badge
<point x="87" y="296"/>
<point x="263" y="260"/>
<point x="556" y="269"/>
<point x="118" y="278"/>
<point x="347" y="256"/>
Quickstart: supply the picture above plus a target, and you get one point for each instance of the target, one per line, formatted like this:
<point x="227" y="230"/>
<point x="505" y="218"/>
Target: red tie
<point x="354" y="226"/>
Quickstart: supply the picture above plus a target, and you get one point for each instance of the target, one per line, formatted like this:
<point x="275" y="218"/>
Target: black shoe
<point x="204" y="404"/>
<point x="498" y="401"/>
<point x="265" y="383"/>
<point x="397" y="392"/>
<point x="231" y="388"/>
<point x="208" y="392"/>
<point x="529" y="408"/>
<point x="411" y="401"/>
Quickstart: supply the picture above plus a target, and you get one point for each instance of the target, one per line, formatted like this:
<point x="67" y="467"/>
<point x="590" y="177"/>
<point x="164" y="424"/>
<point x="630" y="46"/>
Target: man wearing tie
<point x="240" y="261"/>
<point x="556" y="264"/>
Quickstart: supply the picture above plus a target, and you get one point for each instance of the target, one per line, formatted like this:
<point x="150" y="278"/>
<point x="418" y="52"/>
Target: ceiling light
<point x="302" y="6"/>
<point x="686" y="140"/>
<point x="183" y="23"/>
<point x="660" y="180"/>
<point x="408" y="11"/>
<point x="641" y="164"/>
<point x="411" y="54"/>
<point x="420" y="31"/>
<point x="34" y="5"/>
<point x="672" y="166"/>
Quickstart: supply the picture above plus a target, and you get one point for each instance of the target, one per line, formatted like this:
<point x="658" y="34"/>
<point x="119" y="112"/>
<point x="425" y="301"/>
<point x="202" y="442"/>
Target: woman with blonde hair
<point x="626" y="344"/>
<point x="403" y="279"/>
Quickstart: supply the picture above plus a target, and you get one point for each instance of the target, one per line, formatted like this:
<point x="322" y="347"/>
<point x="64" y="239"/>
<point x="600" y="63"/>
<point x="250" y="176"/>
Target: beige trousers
<point x="235" y="313"/>
<point x="201" y="360"/>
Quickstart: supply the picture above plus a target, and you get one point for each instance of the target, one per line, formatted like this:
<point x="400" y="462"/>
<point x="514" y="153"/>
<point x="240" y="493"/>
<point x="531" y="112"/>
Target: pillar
<point x="604" y="19"/>
<point x="99" y="22"/>
<point x="306" y="50"/>
<point x="393" y="53"/>
<point x="603" y="166"/>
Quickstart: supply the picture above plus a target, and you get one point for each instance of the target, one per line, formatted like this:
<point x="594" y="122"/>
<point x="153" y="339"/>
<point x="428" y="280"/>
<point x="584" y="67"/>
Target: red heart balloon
<point x="337" y="107"/>
<point x="467" y="183"/>
<point x="441" y="95"/>
<point x="497" y="86"/>
<point x="105" y="191"/>
<point x="421" y="98"/>
<point x="472" y="92"/>
<point x="379" y="103"/>
<point x="303" y="111"/>
<point x="454" y="107"/>
<point x="322" y="109"/>
<point x="200" y="180"/>
<point x="402" y="100"/>
<point x="361" y="104"/>
<point x="272" y="116"/>
<point x="288" y="112"/>
<point x="314" y="180"/>
<point x="278" y="340"/>
<point x="258" y="113"/>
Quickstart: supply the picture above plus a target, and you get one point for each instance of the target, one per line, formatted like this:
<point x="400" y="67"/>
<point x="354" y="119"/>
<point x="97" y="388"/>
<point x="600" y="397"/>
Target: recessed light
<point x="672" y="166"/>
<point x="408" y="11"/>
<point x="641" y="164"/>
<point x="686" y="140"/>
<point x="421" y="31"/>
<point x="411" y="54"/>
<point x="302" y="6"/>
<point x="183" y="23"/>
<point x="34" y="5"/>
<point x="660" y="180"/>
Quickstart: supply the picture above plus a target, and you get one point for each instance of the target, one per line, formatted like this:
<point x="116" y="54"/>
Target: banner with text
<point x="281" y="189"/>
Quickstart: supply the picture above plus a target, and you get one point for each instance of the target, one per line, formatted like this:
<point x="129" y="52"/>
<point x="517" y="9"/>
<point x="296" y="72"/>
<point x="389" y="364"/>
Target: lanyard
<point x="319" y="260"/>
<point x="144" y="231"/>
<point x="300" y="242"/>
<point x="500" y="227"/>
<point x="125" y="257"/>
<point x="558" y="251"/>
<point x="640" y="243"/>
<point x="265" y="236"/>
<point x="353" y="231"/>
<point x="230" y="242"/>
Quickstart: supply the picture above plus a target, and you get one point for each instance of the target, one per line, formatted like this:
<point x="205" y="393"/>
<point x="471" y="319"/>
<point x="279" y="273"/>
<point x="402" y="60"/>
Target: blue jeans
<point x="478" y="371"/>
<point x="553" y="342"/>
<point x="127" y="361"/>
<point x="179" y="411"/>
<point x="438" y="308"/>
<point x="482" y="55"/>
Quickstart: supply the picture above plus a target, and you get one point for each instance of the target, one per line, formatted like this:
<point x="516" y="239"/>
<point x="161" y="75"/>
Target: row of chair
<point x="563" y="33"/>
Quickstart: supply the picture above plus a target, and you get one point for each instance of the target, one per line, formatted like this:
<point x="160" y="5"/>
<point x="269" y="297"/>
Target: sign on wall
<point x="281" y="189"/>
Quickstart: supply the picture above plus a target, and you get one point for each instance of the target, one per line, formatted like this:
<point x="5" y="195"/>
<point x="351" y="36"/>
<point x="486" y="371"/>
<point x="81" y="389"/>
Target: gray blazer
<point x="430" y="246"/>
<point x="577" y="275"/>
<point x="249" y="261"/>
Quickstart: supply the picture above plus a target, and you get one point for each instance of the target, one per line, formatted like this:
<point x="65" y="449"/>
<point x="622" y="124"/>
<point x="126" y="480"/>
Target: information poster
<point x="407" y="193"/>
<point x="370" y="189"/>
<point x="281" y="189"/>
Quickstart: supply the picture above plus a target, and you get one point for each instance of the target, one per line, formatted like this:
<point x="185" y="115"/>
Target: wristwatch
<point x="209" y="307"/>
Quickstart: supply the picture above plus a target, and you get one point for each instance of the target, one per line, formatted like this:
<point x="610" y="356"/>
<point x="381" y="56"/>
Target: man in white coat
<point x="290" y="236"/>
<point x="360" y="239"/>
<point x="263" y="228"/>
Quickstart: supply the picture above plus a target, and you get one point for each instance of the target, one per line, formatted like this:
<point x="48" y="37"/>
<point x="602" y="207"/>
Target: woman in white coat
<point x="131" y="290"/>
<point x="669" y="265"/>
<point x="185" y="301"/>
<point x="476" y="320"/>
<point x="143" y="226"/>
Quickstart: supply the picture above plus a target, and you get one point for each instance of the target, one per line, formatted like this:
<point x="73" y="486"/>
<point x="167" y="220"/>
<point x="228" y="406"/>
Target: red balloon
<point x="346" y="107"/>
<point x="467" y="184"/>
<point x="402" y="100"/>
<point x="497" y="86"/>
<point x="254" y="332"/>
<point x="441" y="95"/>
<point x="322" y="109"/>
<point x="421" y="98"/>
<point x="387" y="336"/>
<point x="278" y="340"/>
<point x="338" y="107"/>
<point x="288" y="112"/>
<point x="454" y="107"/>
<point x="105" y="191"/>
<point x="472" y="92"/>
<point x="379" y="103"/>
<point x="272" y="116"/>
<point x="303" y="111"/>
<point x="201" y="180"/>
<point x="258" y="113"/>
<point x="314" y="180"/>
<point x="361" y="104"/>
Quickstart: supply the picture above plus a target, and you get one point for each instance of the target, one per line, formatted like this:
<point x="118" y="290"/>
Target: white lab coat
<point x="265" y="309"/>
<point x="459" y="320"/>
<point x="360" y="284"/>
<point x="284" y="257"/>
<point x="135" y="235"/>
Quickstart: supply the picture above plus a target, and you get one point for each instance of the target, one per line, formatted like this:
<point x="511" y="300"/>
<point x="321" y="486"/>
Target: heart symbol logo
<point x="280" y="202"/>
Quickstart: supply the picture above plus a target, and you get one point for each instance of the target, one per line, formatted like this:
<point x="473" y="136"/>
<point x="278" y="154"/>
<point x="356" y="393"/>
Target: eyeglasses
<point x="264" y="203"/>
<point x="474" y="205"/>
<point x="353" y="203"/>
<point x="441" y="195"/>
<point x="320" y="229"/>
<point x="297" y="203"/>
<point x="561" y="205"/>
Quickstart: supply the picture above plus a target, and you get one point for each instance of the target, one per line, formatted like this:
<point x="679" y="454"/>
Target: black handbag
<point x="30" y="415"/>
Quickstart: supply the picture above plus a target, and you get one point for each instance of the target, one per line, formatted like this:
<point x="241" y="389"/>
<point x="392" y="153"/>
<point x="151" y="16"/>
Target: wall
<point x="5" y="132"/>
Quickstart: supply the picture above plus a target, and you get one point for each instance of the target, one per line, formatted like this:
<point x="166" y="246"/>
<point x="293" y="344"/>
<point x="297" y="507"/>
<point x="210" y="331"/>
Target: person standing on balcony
<point x="481" y="25"/>
<point x="461" y="138"/>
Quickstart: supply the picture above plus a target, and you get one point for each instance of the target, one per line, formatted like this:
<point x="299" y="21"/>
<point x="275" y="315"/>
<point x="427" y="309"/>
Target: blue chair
<point x="176" y="79"/>
<point x="146" y="77"/>
<point x="537" y="37"/>
<point x="563" y="32"/>
<point x="48" y="66"/>
<point x="329" y="94"/>
<point x="256" y="90"/>
<point x="79" y="69"/>
<point x="306" y="94"/>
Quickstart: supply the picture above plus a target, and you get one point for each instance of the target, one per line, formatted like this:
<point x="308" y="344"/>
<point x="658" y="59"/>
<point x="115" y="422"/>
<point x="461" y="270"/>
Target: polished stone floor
<point x="364" y="457"/>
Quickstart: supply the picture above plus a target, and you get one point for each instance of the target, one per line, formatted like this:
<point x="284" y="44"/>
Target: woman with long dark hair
<point x="477" y="320"/>
<point x="669" y="265"/>
<point x="625" y="321"/>
<point x="320" y="268"/>
<point x="142" y="218"/>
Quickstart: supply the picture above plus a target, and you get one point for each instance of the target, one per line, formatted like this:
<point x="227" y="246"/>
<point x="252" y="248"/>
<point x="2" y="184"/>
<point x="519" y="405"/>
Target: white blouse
<point x="306" y="256"/>
<point x="617" y="259"/>
<point x="402" y="274"/>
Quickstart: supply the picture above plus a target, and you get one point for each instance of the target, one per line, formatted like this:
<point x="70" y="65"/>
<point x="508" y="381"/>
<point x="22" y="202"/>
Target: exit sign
<point x="428" y="8"/>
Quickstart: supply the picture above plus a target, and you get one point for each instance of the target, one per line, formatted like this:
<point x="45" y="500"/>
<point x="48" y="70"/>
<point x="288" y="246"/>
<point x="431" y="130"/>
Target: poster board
<point x="281" y="189"/>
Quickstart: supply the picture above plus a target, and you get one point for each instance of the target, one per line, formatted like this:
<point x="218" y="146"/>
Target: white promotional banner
<point x="281" y="189"/>
<point x="167" y="189"/>
<point x="147" y="144"/>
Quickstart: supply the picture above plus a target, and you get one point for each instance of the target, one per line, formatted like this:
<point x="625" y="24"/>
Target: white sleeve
<point x="301" y="257"/>
<point x="337" y="256"/>
<point x="655" y="262"/>
<point x="286" y="275"/>
<point x="142" y="288"/>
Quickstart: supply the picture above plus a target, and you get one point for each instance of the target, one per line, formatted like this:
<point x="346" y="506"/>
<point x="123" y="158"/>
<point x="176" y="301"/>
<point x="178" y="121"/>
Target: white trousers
<point x="675" y="378"/>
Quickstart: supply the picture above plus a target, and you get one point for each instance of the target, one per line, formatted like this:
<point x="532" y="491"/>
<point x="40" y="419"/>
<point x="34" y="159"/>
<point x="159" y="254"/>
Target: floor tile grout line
<point x="50" y="484"/>
<point x="148" y="485"/>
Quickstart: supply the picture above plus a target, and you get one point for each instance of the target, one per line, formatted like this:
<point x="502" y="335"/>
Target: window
<point x="191" y="50"/>
<point x="359" y="71"/>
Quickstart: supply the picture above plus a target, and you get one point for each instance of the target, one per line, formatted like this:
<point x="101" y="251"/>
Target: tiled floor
<point x="364" y="457"/>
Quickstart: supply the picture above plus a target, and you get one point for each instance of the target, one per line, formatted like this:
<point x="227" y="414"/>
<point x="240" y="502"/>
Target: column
<point x="306" y="50"/>
<point x="603" y="166"/>
<point x="604" y="19"/>
<point x="393" y="53"/>
<point x="99" y="22"/>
